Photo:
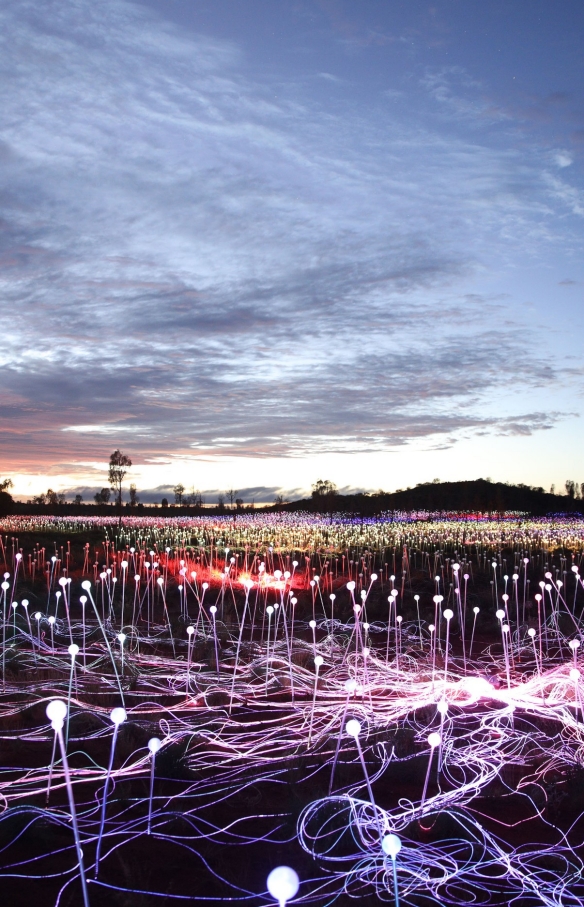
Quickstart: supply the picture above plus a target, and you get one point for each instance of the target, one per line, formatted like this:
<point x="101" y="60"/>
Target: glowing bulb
<point x="353" y="728"/>
<point x="56" y="710"/>
<point x="434" y="739"/>
<point x="318" y="660"/>
<point x="391" y="845"/>
<point x="118" y="716"/>
<point x="154" y="744"/>
<point x="283" y="884"/>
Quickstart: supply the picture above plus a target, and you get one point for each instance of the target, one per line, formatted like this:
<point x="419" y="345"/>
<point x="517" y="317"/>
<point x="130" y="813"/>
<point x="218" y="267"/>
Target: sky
<point x="257" y="243"/>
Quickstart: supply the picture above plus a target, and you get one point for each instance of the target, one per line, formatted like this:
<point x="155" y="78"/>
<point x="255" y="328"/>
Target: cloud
<point x="460" y="96"/>
<point x="192" y="267"/>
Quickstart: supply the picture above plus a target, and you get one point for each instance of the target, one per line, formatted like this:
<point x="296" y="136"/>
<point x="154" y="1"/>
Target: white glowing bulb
<point x="283" y="884"/>
<point x="154" y="745"/>
<point x="57" y="711"/>
<point x="391" y="845"/>
<point x="353" y="728"/>
<point x="118" y="716"/>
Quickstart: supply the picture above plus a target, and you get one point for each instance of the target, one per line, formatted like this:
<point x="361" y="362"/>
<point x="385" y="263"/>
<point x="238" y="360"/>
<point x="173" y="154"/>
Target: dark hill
<point x="479" y="495"/>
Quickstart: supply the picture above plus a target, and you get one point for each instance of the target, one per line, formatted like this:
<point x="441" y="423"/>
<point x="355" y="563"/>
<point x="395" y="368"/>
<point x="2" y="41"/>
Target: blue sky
<point x="254" y="244"/>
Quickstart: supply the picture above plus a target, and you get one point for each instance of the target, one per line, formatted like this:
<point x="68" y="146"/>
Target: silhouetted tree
<point x="195" y="498"/>
<point x="103" y="496"/>
<point x="6" y="500"/>
<point x="118" y="466"/>
<point x="134" y="499"/>
<point x="178" y="492"/>
<point x="324" y="493"/>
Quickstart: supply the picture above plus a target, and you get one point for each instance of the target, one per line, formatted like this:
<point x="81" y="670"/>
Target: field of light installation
<point x="392" y="708"/>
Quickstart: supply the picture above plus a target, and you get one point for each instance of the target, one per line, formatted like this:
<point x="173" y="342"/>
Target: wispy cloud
<point x="192" y="266"/>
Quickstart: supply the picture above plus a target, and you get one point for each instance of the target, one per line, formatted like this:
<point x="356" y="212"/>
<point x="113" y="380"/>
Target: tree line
<point x="477" y="495"/>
